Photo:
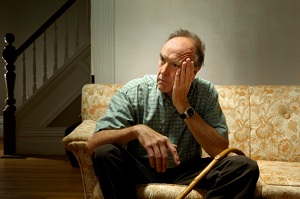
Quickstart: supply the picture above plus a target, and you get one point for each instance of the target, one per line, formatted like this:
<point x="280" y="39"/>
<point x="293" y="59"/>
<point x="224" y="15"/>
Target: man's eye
<point x="175" y="65"/>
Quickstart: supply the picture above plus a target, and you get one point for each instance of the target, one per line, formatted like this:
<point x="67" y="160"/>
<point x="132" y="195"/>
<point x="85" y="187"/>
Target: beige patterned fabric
<point x="166" y="191"/>
<point x="281" y="179"/>
<point x="237" y="115"/>
<point x="158" y="191"/>
<point x="275" y="118"/>
<point x="263" y="121"/>
<point x="95" y="99"/>
<point x="280" y="192"/>
<point x="280" y="173"/>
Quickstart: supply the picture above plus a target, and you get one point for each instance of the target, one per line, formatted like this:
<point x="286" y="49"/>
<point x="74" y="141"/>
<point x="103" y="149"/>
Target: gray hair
<point x="199" y="44"/>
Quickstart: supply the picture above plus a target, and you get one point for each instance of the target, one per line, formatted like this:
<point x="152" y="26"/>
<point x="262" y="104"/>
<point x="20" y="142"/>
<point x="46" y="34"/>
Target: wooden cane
<point x="217" y="158"/>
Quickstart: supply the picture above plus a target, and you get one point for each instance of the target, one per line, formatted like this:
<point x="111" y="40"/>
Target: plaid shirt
<point x="141" y="102"/>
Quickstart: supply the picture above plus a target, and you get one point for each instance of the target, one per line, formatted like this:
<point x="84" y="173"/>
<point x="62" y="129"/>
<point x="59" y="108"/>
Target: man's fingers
<point x="177" y="78"/>
<point x="189" y="72"/>
<point x="173" y="150"/>
<point x="158" y="147"/>
<point x="183" y="74"/>
<point x="158" y="158"/>
<point x="151" y="156"/>
<point x="164" y="157"/>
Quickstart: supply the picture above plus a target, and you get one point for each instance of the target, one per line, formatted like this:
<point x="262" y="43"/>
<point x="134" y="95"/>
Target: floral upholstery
<point x="157" y="191"/>
<point x="95" y="99"/>
<point x="76" y="142"/>
<point x="275" y="118"/>
<point x="263" y="121"/>
<point x="237" y="115"/>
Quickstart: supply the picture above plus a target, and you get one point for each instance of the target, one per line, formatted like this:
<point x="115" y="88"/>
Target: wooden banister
<point x="9" y="123"/>
<point x="44" y="27"/>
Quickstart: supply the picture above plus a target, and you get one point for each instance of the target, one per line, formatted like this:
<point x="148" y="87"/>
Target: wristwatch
<point x="188" y="113"/>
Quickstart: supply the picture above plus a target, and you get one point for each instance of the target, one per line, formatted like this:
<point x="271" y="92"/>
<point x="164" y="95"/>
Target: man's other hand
<point x="157" y="146"/>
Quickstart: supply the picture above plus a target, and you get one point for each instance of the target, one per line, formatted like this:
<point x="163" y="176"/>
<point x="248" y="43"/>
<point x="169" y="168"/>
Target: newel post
<point x="9" y="121"/>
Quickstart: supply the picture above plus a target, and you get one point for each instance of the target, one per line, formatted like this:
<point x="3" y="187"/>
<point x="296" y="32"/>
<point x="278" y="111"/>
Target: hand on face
<point x="157" y="147"/>
<point x="183" y="81"/>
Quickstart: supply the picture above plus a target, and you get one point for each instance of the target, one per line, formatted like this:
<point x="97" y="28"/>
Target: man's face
<point x="173" y="54"/>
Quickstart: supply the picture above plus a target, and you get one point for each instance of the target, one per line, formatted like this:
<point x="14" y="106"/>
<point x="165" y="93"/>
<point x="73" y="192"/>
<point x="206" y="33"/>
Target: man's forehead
<point x="179" y="45"/>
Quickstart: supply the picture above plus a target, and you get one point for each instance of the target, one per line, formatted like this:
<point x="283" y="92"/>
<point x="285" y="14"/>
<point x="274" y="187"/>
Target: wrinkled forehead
<point x="179" y="48"/>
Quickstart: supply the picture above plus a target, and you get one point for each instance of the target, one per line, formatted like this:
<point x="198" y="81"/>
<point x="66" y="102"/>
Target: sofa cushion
<point x="158" y="191"/>
<point x="280" y="173"/>
<point x="280" y="192"/>
<point x="166" y="191"/>
<point x="280" y="179"/>
<point x="275" y="122"/>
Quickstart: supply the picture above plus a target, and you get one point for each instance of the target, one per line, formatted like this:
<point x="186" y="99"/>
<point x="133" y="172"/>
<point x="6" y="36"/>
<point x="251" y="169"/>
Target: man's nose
<point x="165" y="68"/>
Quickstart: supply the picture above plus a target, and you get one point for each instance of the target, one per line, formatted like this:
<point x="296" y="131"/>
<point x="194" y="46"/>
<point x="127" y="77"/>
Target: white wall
<point x="248" y="42"/>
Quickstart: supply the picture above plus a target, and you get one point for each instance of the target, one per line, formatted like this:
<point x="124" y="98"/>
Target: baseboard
<point x="41" y="142"/>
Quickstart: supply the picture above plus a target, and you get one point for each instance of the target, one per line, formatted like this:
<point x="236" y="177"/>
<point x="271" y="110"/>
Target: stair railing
<point x="10" y="55"/>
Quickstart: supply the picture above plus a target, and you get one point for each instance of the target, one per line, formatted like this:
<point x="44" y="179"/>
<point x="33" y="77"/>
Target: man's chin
<point x="163" y="89"/>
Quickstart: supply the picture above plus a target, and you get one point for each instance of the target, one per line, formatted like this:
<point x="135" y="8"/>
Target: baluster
<point x="9" y="120"/>
<point x="66" y="37"/>
<point x="45" y="77"/>
<point x="34" y="87"/>
<point x="55" y="67"/>
<point x="24" y="97"/>
<point x="77" y="27"/>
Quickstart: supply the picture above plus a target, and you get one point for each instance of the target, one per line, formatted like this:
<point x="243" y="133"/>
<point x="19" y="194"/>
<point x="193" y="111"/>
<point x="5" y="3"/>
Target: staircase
<point x="54" y="103"/>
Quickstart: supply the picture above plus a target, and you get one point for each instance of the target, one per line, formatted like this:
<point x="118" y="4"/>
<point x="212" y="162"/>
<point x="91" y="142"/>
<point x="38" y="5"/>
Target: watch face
<point x="190" y="111"/>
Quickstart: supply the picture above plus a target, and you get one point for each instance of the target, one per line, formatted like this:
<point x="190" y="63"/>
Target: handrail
<point x="43" y="27"/>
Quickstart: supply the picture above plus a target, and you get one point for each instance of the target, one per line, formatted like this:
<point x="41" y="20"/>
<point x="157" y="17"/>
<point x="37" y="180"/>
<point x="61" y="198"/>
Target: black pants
<point x="118" y="172"/>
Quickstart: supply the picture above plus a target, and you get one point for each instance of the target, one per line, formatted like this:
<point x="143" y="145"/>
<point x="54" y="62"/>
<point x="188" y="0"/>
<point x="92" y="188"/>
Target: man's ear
<point x="196" y="69"/>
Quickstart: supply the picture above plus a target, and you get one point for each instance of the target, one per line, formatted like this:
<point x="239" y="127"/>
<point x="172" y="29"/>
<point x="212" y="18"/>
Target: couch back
<point x="234" y="101"/>
<point x="95" y="99"/>
<point x="263" y="121"/>
<point x="275" y="122"/>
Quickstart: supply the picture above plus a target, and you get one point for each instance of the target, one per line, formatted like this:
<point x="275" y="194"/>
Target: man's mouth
<point x="160" y="79"/>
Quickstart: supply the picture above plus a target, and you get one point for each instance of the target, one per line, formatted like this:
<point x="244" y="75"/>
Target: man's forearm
<point x="119" y="136"/>
<point x="208" y="137"/>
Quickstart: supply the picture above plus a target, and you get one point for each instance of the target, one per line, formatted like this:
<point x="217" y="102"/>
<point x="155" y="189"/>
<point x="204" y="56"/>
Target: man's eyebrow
<point x="175" y="62"/>
<point x="161" y="56"/>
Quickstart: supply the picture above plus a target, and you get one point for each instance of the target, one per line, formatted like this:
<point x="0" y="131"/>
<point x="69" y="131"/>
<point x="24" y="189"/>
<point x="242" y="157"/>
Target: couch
<point x="263" y="121"/>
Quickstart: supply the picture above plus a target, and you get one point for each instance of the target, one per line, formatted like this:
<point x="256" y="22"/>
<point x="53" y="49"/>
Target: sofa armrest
<point x="81" y="133"/>
<point x="76" y="143"/>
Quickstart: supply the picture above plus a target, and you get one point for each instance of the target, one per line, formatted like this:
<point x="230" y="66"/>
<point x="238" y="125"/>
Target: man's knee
<point x="105" y="151"/>
<point x="105" y="157"/>
<point x="244" y="164"/>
